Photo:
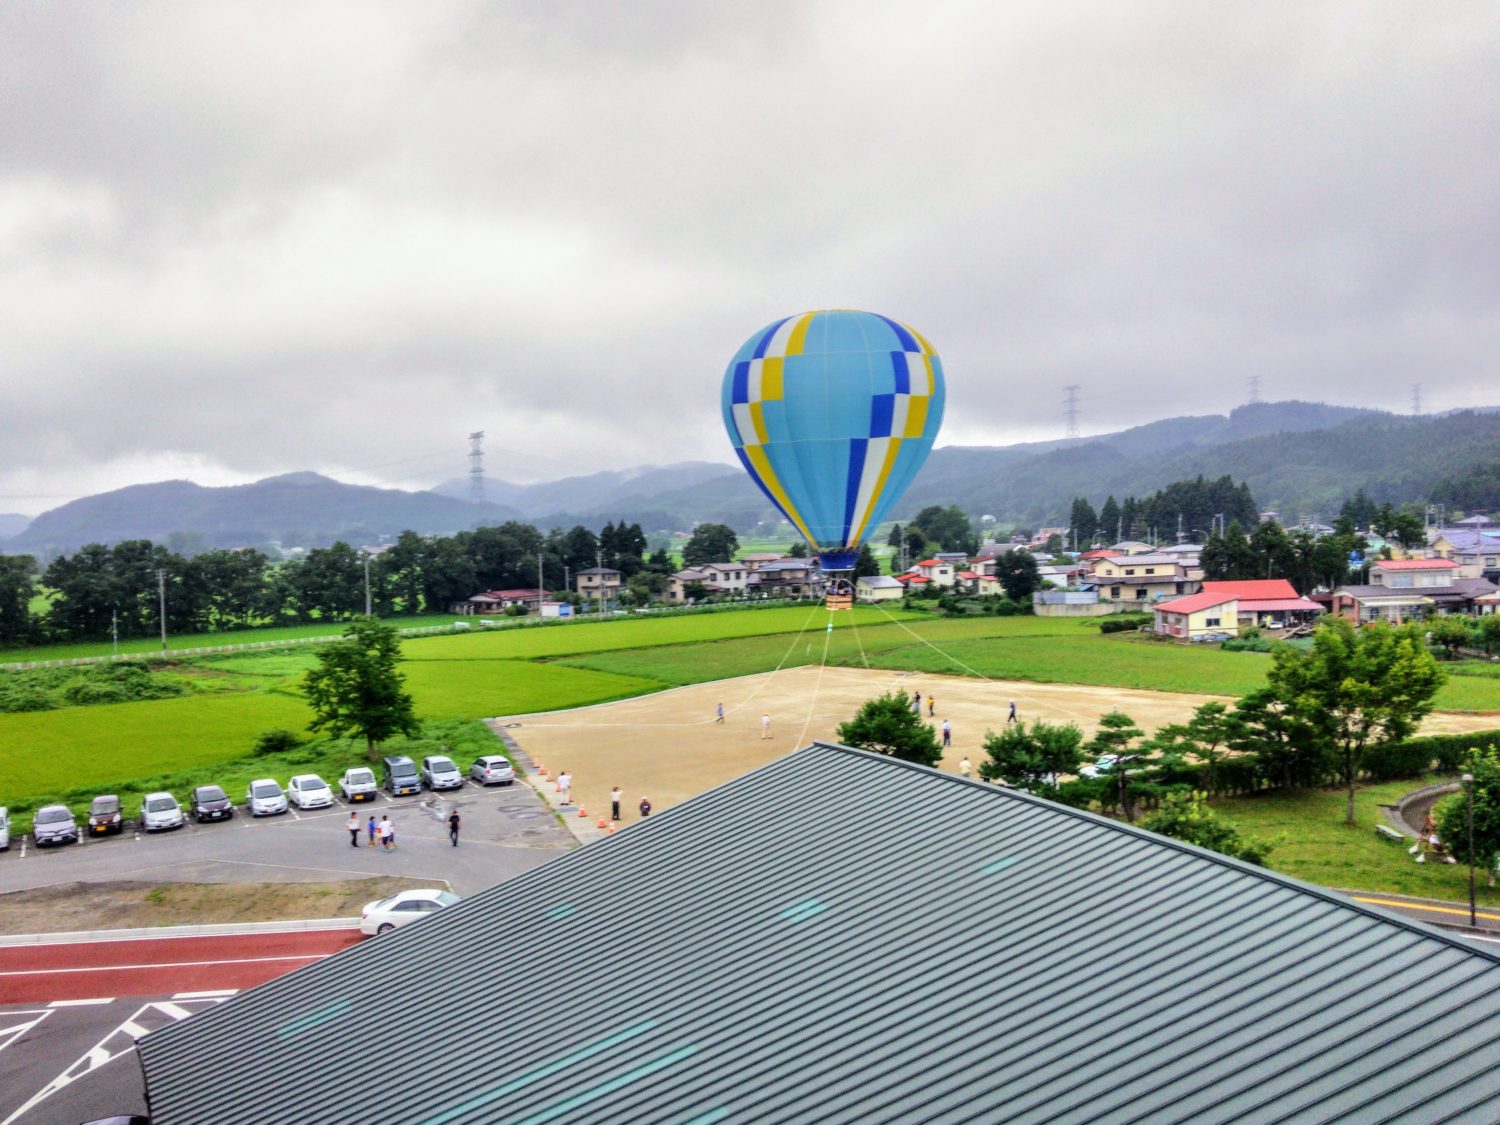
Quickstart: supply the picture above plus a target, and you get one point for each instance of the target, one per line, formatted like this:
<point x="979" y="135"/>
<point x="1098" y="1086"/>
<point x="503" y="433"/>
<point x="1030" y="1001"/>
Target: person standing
<point x="565" y="787"/>
<point x="453" y="822"/>
<point x="1012" y="716"/>
<point x="385" y="833"/>
<point x="965" y="768"/>
<point x="765" y="725"/>
<point x="615" y="796"/>
<point x="947" y="735"/>
<point x="931" y="705"/>
<point x="352" y="824"/>
<point x="645" y="807"/>
<point x="373" y="830"/>
<point x="719" y="714"/>
<point x="916" y="702"/>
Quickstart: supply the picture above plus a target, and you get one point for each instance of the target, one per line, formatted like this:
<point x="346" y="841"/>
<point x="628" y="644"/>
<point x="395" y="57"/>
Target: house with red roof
<point x="498" y="601"/>
<point x="1196" y="615"/>
<point x="938" y="572"/>
<point x="1226" y="607"/>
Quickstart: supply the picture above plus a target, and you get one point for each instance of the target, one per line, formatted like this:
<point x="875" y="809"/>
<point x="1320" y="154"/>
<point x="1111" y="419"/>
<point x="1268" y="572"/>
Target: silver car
<point x="492" y="769"/>
<point x="265" y="797"/>
<point x="439" y="772"/>
<point x="160" y="811"/>
<point x="54" y="824"/>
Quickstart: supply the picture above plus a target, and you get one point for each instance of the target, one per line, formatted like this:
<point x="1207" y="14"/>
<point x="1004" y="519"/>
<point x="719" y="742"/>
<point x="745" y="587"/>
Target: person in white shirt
<point x="765" y="726"/>
<point x="352" y="824"/>
<point x="965" y="768"/>
<point x="616" y="795"/>
<point x="565" y="787"/>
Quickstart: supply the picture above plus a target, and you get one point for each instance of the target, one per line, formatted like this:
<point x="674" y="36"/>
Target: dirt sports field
<point x="667" y="746"/>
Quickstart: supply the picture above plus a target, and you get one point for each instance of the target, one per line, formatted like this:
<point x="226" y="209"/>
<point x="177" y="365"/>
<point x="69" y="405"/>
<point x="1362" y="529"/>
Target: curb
<point x="1395" y="814"/>
<point x="224" y="929"/>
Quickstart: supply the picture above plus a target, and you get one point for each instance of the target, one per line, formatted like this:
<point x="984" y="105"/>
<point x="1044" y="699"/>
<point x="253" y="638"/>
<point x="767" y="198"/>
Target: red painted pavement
<point x="154" y="966"/>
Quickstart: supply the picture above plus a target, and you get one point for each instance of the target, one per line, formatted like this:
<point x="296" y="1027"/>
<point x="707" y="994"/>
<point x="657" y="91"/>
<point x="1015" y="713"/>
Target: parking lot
<point x="506" y="830"/>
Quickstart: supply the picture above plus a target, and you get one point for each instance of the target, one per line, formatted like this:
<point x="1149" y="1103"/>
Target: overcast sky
<point x="238" y="240"/>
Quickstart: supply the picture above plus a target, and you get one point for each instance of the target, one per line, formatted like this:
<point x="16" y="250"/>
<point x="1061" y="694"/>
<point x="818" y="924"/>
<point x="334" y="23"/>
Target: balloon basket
<point x="839" y="595"/>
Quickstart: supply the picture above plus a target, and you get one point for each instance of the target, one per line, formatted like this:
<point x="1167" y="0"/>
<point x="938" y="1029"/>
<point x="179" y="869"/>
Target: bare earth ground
<point x="117" y="906"/>
<point x="667" y="746"/>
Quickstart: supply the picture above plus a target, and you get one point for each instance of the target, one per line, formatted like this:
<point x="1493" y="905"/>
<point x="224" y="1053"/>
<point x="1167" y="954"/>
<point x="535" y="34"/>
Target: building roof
<point x="1413" y="564"/>
<point x="934" y="562"/>
<point x="525" y="592"/>
<point x="757" y="954"/>
<point x="1102" y="553"/>
<point x="879" y="582"/>
<point x="1193" y="603"/>
<point x="1284" y="605"/>
<point x="1156" y="559"/>
<point x="1254" y="589"/>
<point x="1459" y="590"/>
<point x="598" y="570"/>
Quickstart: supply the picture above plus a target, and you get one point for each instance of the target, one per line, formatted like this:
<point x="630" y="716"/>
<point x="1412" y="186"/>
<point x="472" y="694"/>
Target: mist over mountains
<point x="1301" y="459"/>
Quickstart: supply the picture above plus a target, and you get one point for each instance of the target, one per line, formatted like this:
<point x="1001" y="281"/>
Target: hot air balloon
<point x="832" y="413"/>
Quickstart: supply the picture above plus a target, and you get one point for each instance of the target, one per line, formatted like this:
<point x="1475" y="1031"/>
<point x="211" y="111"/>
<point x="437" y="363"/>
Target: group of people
<point x="384" y="830"/>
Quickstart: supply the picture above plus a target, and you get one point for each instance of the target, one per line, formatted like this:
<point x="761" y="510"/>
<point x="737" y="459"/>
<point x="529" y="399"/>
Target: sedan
<point x="439" y="772"/>
<point x="401" y="909"/>
<point x="309" y="791"/>
<point x="160" y="811"/>
<point x="211" y="803"/>
<point x="265" y="798"/>
<point x="54" y="824"/>
<point x="492" y="769"/>
<point x="105" y="815"/>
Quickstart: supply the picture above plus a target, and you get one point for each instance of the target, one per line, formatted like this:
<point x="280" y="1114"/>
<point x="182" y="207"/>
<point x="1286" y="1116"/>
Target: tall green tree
<point x="1019" y="575"/>
<point x="710" y="542"/>
<point x="1033" y="755"/>
<point x="1114" y="742"/>
<point x="17" y="588"/>
<point x="357" y="687"/>
<point x="1111" y="527"/>
<point x="1083" y="520"/>
<point x="1360" y="689"/>
<point x="1206" y="736"/>
<point x="889" y="725"/>
<point x="948" y="527"/>
<point x="1289" y="748"/>
<point x="1453" y="814"/>
<point x="865" y="563"/>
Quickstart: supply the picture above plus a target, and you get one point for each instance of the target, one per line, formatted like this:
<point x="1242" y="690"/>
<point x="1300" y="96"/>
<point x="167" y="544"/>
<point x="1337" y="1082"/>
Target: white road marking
<point x="81" y="1003"/>
<point x="160" y="965"/>
<point x="13" y="1031"/>
<point x="209" y="994"/>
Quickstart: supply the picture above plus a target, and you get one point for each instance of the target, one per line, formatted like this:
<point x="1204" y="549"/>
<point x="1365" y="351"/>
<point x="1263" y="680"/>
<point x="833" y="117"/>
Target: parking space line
<point x="80" y="1003"/>
<point x="212" y="992"/>
<point x="155" y="965"/>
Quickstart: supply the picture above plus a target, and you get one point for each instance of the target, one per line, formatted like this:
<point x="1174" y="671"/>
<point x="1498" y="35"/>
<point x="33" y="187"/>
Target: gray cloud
<point x="243" y="239"/>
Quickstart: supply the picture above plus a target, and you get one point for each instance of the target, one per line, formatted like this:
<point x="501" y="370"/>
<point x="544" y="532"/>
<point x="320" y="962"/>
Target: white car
<point x="4" y="828"/>
<point x="359" y="784"/>
<point x="1104" y="765"/>
<point x="402" y="908"/>
<point x="309" y="791"/>
<point x="492" y="769"/>
<point x="265" y="798"/>
<point x="439" y="772"/>
<point x="160" y="811"/>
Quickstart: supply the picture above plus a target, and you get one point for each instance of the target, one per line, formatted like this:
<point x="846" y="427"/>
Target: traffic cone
<point x="610" y="831"/>
<point x="583" y="812"/>
<point x="541" y="769"/>
<point x="602" y="822"/>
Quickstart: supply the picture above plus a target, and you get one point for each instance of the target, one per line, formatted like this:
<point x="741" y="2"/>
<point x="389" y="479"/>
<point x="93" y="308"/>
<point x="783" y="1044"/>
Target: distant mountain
<point x="294" y="509"/>
<point x="597" y="492"/>
<point x="12" y="524"/>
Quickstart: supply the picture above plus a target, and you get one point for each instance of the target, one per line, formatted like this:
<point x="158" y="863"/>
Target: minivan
<point x="401" y="776"/>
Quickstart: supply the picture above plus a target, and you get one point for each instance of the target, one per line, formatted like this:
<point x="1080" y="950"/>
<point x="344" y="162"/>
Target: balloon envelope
<point x="832" y="413"/>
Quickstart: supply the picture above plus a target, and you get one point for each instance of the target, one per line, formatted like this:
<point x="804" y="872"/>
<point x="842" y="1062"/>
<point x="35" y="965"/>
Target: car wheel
<point x="384" y="928"/>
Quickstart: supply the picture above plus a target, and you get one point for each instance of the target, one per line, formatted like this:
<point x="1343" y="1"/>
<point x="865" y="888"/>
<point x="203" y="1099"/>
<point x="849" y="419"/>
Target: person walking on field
<point x="964" y="768"/>
<point x="453" y="823"/>
<point x="719" y="714"/>
<point x="765" y="725"/>
<point x="916" y="702"/>
<point x="1012" y="716"/>
<point x="931" y="705"/>
<point x="352" y="824"/>
<point x="947" y="735"/>
<point x="645" y="807"/>
<point x="565" y="787"/>
<point x="373" y="829"/>
<point x="615" y="796"/>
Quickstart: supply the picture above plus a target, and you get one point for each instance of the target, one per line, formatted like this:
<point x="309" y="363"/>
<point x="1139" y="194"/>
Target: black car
<point x="105" y="815"/>
<point x="209" y="802"/>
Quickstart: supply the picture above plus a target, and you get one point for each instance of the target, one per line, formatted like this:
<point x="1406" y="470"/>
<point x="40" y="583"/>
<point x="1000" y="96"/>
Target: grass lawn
<point x="460" y="689"/>
<point x="1317" y="846"/>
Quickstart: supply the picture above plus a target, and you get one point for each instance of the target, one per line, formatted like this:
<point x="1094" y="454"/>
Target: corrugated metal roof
<point x="839" y="937"/>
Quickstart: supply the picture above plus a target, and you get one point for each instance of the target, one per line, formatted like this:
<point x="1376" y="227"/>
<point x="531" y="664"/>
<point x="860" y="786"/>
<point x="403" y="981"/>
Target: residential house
<point x="498" y="601"/>
<point x="1409" y="574"/>
<point x="1405" y="603"/>
<point x="1477" y="553"/>
<point x="786" y="578"/>
<point x="956" y="559"/>
<point x="1141" y="578"/>
<point x="600" y="582"/>
<point x="756" y="559"/>
<point x="1133" y="547"/>
<point x="715" y="578"/>
<point x="1197" y="615"/>
<point x="1268" y="602"/>
<point x="936" y="571"/>
<point x="878" y="588"/>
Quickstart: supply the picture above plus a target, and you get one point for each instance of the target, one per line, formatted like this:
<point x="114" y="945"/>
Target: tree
<point x="1450" y="634"/>
<point x="1187" y="817"/>
<point x="1110" y="528"/>
<point x="1489" y="632"/>
<point x="1205" y="736"/>
<point x="1083" y="520"/>
<point x="948" y="527"/>
<point x="1018" y="574"/>
<point x="1031" y="756"/>
<point x="865" y="564"/>
<point x="356" y="687"/>
<point x="894" y="538"/>
<point x="17" y="588"/>
<point x="1358" y="689"/>
<point x="1452" y="815"/>
<point x="710" y="542"/>
<point x="889" y="725"/>
<point x="402" y="567"/>
<point x="1112" y="741"/>
<point x="1288" y="748"/>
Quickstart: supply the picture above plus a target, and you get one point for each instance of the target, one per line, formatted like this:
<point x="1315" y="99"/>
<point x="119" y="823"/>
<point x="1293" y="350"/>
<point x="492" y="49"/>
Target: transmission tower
<point x="1070" y="407"/>
<point x="476" y="467"/>
<point x="1255" y="389"/>
<point x="1416" y="398"/>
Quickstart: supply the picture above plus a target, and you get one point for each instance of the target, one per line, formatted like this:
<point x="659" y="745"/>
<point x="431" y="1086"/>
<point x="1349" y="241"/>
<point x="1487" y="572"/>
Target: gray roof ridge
<point x="1265" y="873"/>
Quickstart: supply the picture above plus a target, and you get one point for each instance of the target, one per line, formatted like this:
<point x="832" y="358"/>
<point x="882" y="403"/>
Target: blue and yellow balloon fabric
<point x="832" y="413"/>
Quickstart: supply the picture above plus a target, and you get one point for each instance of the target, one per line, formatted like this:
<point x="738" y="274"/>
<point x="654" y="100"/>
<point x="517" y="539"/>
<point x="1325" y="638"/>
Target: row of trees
<point x="98" y="588"/>
<point x="1270" y="551"/>
<point x="1191" y="504"/>
<point x="933" y="529"/>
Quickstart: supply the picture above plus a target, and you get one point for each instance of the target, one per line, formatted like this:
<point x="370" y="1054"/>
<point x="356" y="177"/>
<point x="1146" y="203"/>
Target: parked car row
<point x="160" y="811"/>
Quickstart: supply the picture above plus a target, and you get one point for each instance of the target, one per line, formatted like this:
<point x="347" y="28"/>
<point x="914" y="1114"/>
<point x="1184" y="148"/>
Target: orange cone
<point x="610" y="831"/>
<point x="583" y="812"/>
<point x="602" y="822"/>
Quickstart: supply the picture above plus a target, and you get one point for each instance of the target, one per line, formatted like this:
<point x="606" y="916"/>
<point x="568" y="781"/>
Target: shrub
<point x="1124" y="622"/>
<point x="81" y="693"/>
<point x="1186" y="816"/>
<point x="1447" y="752"/>
<point x="24" y="697"/>
<point x="1246" y="644"/>
<point x="1398" y="759"/>
<point x="276" y="742"/>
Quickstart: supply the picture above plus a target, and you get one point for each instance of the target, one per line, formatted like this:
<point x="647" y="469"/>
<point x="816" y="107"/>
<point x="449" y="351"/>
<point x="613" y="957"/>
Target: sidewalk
<point x="585" y="829"/>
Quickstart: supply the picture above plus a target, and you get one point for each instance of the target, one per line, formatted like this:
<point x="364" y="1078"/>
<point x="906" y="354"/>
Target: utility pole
<point x="1180" y="535"/>
<point x="599" y="578"/>
<point x="367" y="583"/>
<point x="541" y="584"/>
<point x="161" y="590"/>
<point x="114" y="629"/>
<point x="1469" y="789"/>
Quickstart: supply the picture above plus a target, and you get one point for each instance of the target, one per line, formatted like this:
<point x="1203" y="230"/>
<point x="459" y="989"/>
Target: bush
<point x="24" y="697"/>
<point x="1186" y="816"/>
<point x="1124" y="622"/>
<point x="1398" y="760"/>
<point x="276" y="742"/>
<point x="1246" y="644"/>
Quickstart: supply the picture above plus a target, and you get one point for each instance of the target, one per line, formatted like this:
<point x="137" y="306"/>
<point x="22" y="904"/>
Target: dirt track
<point x="668" y="747"/>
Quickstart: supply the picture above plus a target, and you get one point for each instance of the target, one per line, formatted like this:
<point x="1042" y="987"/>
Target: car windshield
<point x="446" y="898"/>
<point x="440" y="765"/>
<point x="313" y="781"/>
<point x="52" y="816"/>
<point x="106" y="804"/>
<point x="160" y="804"/>
<point x="360" y="777"/>
<point x="267" y="790"/>
<point x="211" y="793"/>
